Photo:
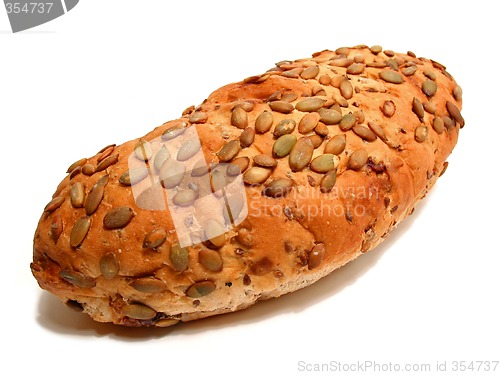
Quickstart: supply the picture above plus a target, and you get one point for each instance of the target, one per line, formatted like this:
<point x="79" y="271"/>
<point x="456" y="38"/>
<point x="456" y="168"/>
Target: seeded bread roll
<point x="269" y="185"/>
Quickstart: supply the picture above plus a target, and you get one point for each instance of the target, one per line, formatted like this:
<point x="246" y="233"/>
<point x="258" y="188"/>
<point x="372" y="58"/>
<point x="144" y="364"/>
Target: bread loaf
<point x="267" y="186"/>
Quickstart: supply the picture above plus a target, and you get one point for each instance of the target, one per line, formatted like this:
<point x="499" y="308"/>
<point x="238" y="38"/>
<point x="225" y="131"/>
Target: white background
<point x="109" y="71"/>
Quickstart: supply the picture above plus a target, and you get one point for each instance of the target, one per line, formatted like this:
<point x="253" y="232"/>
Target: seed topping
<point x="239" y="118"/>
<point x="278" y="188"/>
<point x="281" y="106"/>
<point x="357" y="159"/>
<point x="210" y="259"/>
<point x="283" y="145"/>
<point x="79" y="231"/>
<point x="264" y="122"/>
<point x="324" y="163"/>
<point x="78" y="279"/>
<point x="109" y="266"/>
<point x="391" y="76"/>
<point x="310" y="104"/>
<point x="301" y="154"/>
<point x="200" y="289"/>
<point x="77" y="195"/>
<point x="118" y="218"/>
<point x="229" y="151"/>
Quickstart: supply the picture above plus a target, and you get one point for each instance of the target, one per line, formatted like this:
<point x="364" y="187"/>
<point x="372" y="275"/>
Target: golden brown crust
<point x="399" y="116"/>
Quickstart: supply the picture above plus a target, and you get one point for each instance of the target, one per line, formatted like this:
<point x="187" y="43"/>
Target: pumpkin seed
<point x="256" y="175"/>
<point x="265" y="161"/>
<point x="319" y="91"/>
<point x="448" y="122"/>
<point x="378" y="130"/>
<point x="189" y="149"/>
<point x="77" y="195"/>
<point x="210" y="259"/>
<point x="283" y="145"/>
<point x="376" y="49"/>
<point x="148" y="285"/>
<point x="105" y="153"/>
<point x="198" y="117"/>
<point x="388" y="108"/>
<point x="278" y="188"/>
<point x="421" y="134"/>
<point x="154" y="239"/>
<point x="364" y="133"/>
<point x="430" y="107"/>
<point x="360" y="116"/>
<point x="292" y="73"/>
<point x="233" y="208"/>
<point x="455" y="113"/>
<point x="429" y="87"/>
<point x="342" y="62"/>
<point x="79" y="231"/>
<point x="335" y="145"/>
<point x="391" y="63"/>
<point x="418" y="108"/>
<point x="172" y="173"/>
<point x="109" y="266"/>
<point x="346" y="89"/>
<point x="54" y="204"/>
<point x="289" y="97"/>
<point x="200" y="168"/>
<point x="134" y="176"/>
<point x="246" y="106"/>
<point x="138" y="311"/>
<point x="173" y="132"/>
<point x="438" y="124"/>
<point x="75" y="172"/>
<point x="325" y="80"/>
<point x="218" y="182"/>
<point x="200" y="289"/>
<point x="328" y="181"/>
<point x="281" y="106"/>
<point x="247" y="137"/>
<point x="310" y="104"/>
<point x="94" y="198"/>
<point x="56" y="228"/>
<point x="410" y="70"/>
<point x="391" y="76"/>
<point x="347" y="122"/>
<point x="316" y="139"/>
<point x="229" y="151"/>
<point x="185" y="198"/>
<point x="285" y="126"/>
<point x="78" y="279"/>
<point x="310" y="72"/>
<point x="321" y="130"/>
<point x="357" y="159"/>
<point x="215" y="233"/>
<point x="118" y="218"/>
<point x="143" y="150"/>
<point x="238" y="166"/>
<point x="78" y="163"/>
<point x="329" y="116"/>
<point x="355" y="68"/>
<point x="88" y="169"/>
<point x="457" y="93"/>
<point x="316" y="256"/>
<point x="264" y="122"/>
<point x="179" y="257"/>
<point x="164" y="323"/>
<point x="301" y="154"/>
<point x="106" y="163"/>
<point x="239" y="118"/>
<point x="308" y="122"/>
<point x="324" y="163"/>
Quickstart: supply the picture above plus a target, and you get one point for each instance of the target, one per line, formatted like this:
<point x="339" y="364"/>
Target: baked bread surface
<point x="334" y="151"/>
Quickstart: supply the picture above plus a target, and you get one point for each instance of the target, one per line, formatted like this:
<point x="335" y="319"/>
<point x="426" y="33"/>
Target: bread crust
<point x="285" y="242"/>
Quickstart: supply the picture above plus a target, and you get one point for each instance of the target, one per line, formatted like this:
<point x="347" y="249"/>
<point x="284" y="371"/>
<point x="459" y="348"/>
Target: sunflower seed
<point x="109" y="266"/>
<point x="143" y="150"/>
<point x="78" y="279"/>
<point x="278" y="188"/>
<point x="410" y="70"/>
<point x="346" y="89"/>
<point x="310" y="104"/>
<point x="247" y="137"/>
<point x="264" y="122"/>
<point x="438" y="124"/>
<point x="388" y="108"/>
<point x="106" y="163"/>
<point x="391" y="76"/>
<point x="215" y="233"/>
<point x="308" y="122"/>
<point x="265" y="161"/>
<point x="185" y="198"/>
<point x="328" y="181"/>
<point x="316" y="256"/>
<point x="179" y="257"/>
<point x="329" y="116"/>
<point x="154" y="239"/>
<point x="200" y="289"/>
<point x="283" y="145"/>
<point x="173" y="132"/>
<point x="77" y="195"/>
<point x="118" y="218"/>
<point x="229" y="151"/>
<point x="421" y="134"/>
<point x="189" y="149"/>
<point x="455" y="113"/>
<point x="429" y="87"/>
<point x="78" y="163"/>
<point x="138" y="311"/>
<point x="357" y="159"/>
<point x="239" y="118"/>
<point x="54" y="204"/>
<point x="56" y="228"/>
<point x="198" y="117"/>
<point x="134" y="176"/>
<point x="364" y="133"/>
<point x="281" y="106"/>
<point x="301" y="154"/>
<point x="335" y="145"/>
<point x="378" y="130"/>
<point x="347" y="122"/>
<point x="172" y="173"/>
<point x="355" y="68"/>
<point x="324" y="163"/>
<point x="148" y="285"/>
<point x="418" y="108"/>
<point x="310" y="72"/>
<point x="285" y="126"/>
<point x="88" y="169"/>
<point x="238" y="166"/>
<point x="79" y="231"/>
<point x="256" y="175"/>
<point x="210" y="259"/>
